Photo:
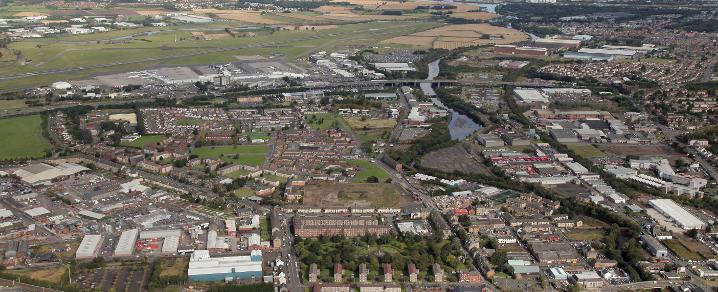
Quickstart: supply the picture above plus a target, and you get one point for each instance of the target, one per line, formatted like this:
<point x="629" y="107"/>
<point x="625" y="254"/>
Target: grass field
<point x="359" y="195"/>
<point x="143" y="141"/>
<point x="367" y="169"/>
<point x="173" y="267"/>
<point x="681" y="250"/>
<point x="188" y="122"/>
<point x="237" y="174"/>
<point x="53" y="274"/>
<point x="95" y="54"/>
<point x="243" y="192"/>
<point x="357" y="123"/>
<point x="586" y="150"/>
<point x="11" y="104"/>
<point x="240" y="154"/>
<point x="22" y="138"/>
<point x="258" y="135"/>
<point x="323" y="121"/>
<point x="264" y="228"/>
<point x="585" y="235"/>
<point x="272" y="177"/>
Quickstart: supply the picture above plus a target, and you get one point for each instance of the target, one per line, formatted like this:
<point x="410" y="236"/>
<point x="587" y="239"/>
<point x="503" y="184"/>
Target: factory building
<point x="680" y="216"/>
<point x="89" y="247"/>
<point x="170" y="241"/>
<point x="202" y="267"/>
<point x="519" y="51"/>
<point x="126" y="243"/>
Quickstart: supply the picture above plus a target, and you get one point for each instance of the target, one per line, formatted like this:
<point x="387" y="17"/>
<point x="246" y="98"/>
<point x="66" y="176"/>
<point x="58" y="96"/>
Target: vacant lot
<point x="239" y="15"/>
<point x="585" y="235"/>
<point x="357" y="123"/>
<point x="639" y="150"/>
<point x="240" y="154"/>
<point x="586" y="150"/>
<point x="243" y="192"/>
<point x="367" y="169"/>
<point x="461" y="35"/>
<point x="52" y="274"/>
<point x="454" y="158"/>
<point x="681" y="250"/>
<point x="22" y="138"/>
<point x="143" y="141"/>
<point x="359" y="195"/>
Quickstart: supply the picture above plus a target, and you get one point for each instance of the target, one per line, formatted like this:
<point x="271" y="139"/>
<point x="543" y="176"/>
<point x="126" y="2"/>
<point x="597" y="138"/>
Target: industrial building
<point x="529" y="95"/>
<point x="520" y="51"/>
<point x="490" y="140"/>
<point x="89" y="247"/>
<point x="41" y="173"/>
<point x="654" y="246"/>
<point x="621" y="54"/>
<point x="202" y="267"/>
<point x="680" y="216"/>
<point x="126" y="243"/>
<point x="170" y="238"/>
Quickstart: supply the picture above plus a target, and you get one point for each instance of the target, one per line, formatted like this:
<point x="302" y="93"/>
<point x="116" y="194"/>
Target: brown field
<point x="239" y="15"/>
<point x="461" y="35"/>
<point x="7" y="55"/>
<point x="209" y="36"/>
<point x="474" y="15"/>
<point x="46" y="21"/>
<point x="454" y="158"/>
<point x="585" y="235"/>
<point x="28" y="14"/>
<point x="360" y="195"/>
<point x="357" y="123"/>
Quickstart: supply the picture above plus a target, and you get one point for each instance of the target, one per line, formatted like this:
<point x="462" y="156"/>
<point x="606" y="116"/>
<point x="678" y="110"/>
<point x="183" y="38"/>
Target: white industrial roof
<point x="608" y="52"/>
<point x="42" y="173"/>
<point x="126" y="243"/>
<point x="39" y="211"/>
<point x="202" y="264"/>
<point x="88" y="246"/>
<point x="684" y="219"/>
<point x="5" y="213"/>
<point x="530" y="95"/>
<point x="170" y="238"/>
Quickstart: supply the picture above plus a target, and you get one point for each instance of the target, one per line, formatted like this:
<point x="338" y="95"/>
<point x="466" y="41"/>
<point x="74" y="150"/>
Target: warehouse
<point x="528" y="95"/>
<point x="89" y="247"/>
<point x="126" y="243"/>
<point x="170" y="241"/>
<point x="204" y="268"/>
<point x="680" y="216"/>
<point x="624" y="54"/>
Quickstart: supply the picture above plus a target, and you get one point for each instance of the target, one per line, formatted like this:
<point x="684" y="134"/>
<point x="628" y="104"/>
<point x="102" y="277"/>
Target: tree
<point x="693" y="233"/>
<point x="372" y="179"/>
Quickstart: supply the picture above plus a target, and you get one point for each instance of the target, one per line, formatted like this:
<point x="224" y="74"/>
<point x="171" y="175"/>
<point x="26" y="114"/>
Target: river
<point x="460" y="125"/>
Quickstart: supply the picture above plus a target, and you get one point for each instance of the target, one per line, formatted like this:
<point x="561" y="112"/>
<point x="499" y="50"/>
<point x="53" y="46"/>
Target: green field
<point x="367" y="169"/>
<point x="188" y="122"/>
<point x="323" y="121"/>
<point x="586" y="150"/>
<point x="11" y="104"/>
<point x="237" y="174"/>
<point x="264" y="231"/>
<point x="22" y="138"/>
<point x="94" y="54"/>
<point x="258" y="135"/>
<point x="243" y="192"/>
<point x="681" y="250"/>
<point x="240" y="154"/>
<point x="143" y="141"/>
<point x="272" y="177"/>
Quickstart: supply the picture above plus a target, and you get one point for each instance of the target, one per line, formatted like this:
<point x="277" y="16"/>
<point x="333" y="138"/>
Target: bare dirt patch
<point x="474" y="15"/>
<point x="638" y="150"/>
<point x="359" y="195"/>
<point x="454" y="158"/>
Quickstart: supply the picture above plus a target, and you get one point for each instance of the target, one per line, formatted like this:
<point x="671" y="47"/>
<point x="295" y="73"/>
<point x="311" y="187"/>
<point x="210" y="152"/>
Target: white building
<point x="89" y="247"/>
<point x="680" y="216"/>
<point x="126" y="243"/>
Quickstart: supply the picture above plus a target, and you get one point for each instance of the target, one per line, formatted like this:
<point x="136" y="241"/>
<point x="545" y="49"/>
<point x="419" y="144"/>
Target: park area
<point x="23" y="138"/>
<point x="143" y="141"/>
<point x="367" y="169"/>
<point x="372" y="251"/>
<point x="357" y="195"/>
<point x="253" y="155"/>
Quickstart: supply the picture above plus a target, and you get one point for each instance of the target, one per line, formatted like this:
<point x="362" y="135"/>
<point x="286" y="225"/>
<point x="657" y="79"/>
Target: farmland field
<point x="22" y="138"/>
<point x="240" y="154"/>
<point x="461" y="35"/>
<point x="143" y="141"/>
<point x="359" y="195"/>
